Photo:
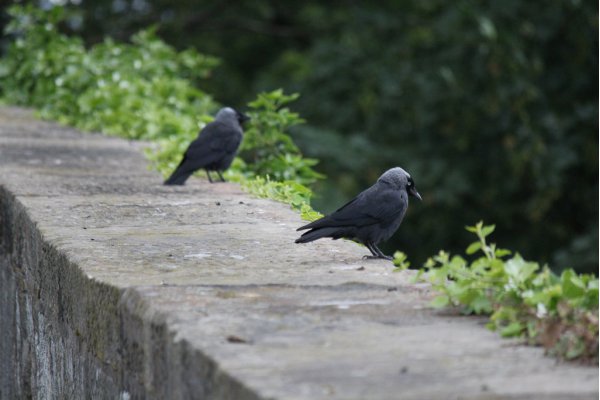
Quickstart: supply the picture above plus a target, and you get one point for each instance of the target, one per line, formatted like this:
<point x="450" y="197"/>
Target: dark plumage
<point x="214" y="149"/>
<point x="371" y="217"/>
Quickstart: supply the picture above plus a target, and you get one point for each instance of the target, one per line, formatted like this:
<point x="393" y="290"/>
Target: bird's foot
<point x="381" y="257"/>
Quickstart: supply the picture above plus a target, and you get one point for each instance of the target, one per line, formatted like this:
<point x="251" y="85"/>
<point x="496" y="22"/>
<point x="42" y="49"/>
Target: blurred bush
<point x="139" y="90"/>
<point x="492" y="106"/>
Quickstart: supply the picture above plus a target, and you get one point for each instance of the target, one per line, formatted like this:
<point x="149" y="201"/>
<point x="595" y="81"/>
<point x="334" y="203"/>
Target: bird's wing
<point x="226" y="138"/>
<point x="214" y="141"/>
<point x="373" y="206"/>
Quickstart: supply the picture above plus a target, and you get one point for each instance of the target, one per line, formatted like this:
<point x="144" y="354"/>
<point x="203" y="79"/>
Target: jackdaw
<point x="372" y="216"/>
<point x="214" y="149"/>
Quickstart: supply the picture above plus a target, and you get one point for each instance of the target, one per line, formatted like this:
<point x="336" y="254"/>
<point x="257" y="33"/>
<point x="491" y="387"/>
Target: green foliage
<point x="145" y="90"/>
<point x="270" y="164"/>
<point x="267" y="148"/>
<point x="141" y="90"/>
<point x="401" y="261"/>
<point x="289" y="192"/>
<point x="521" y="297"/>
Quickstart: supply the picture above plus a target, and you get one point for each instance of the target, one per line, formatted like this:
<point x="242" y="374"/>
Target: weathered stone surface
<point x="114" y="286"/>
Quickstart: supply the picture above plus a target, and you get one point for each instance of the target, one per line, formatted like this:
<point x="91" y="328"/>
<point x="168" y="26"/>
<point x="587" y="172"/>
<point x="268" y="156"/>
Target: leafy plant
<point x="145" y="90"/>
<point x="267" y="148"/>
<point x="141" y="90"/>
<point x="289" y="192"/>
<point x="401" y="261"/>
<point x="522" y="298"/>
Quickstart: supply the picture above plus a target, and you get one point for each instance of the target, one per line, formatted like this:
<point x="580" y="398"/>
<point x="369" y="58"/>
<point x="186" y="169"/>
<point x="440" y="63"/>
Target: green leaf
<point x="519" y="270"/>
<point x="473" y="247"/>
<point x="502" y="252"/>
<point x="591" y="299"/>
<point x="571" y="285"/>
<point x="401" y="261"/>
<point x="481" y="304"/>
<point x="513" y="329"/>
<point x="487" y="28"/>
<point x="486" y="230"/>
<point x="472" y="229"/>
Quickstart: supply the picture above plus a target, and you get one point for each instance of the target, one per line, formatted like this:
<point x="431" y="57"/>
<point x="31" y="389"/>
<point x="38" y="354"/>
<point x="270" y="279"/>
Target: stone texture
<point x="115" y="286"/>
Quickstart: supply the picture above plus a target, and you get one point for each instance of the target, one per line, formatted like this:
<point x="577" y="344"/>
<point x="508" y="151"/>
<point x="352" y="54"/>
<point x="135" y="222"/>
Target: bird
<point x="213" y="149"/>
<point x="371" y="217"/>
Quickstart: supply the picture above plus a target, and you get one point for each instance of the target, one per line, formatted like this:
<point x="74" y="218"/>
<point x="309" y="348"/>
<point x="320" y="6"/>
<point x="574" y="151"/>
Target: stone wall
<point x="114" y="286"/>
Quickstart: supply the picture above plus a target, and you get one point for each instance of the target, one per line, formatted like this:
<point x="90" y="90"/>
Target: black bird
<point x="372" y="216"/>
<point x="214" y="149"/>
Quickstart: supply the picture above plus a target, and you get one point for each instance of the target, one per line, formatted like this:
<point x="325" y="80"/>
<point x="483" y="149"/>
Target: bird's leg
<point x="380" y="253"/>
<point x="377" y="254"/>
<point x="208" y="175"/>
<point x="370" y="247"/>
<point x="220" y="176"/>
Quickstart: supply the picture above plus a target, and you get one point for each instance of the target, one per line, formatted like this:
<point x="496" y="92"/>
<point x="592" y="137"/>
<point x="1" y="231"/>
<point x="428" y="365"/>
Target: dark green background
<point x="492" y="106"/>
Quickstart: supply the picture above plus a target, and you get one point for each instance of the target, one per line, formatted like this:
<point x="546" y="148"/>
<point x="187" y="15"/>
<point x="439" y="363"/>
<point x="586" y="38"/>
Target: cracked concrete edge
<point x="112" y="344"/>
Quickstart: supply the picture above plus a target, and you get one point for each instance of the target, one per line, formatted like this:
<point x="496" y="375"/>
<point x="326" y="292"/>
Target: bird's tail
<point x="315" y="234"/>
<point x="178" y="177"/>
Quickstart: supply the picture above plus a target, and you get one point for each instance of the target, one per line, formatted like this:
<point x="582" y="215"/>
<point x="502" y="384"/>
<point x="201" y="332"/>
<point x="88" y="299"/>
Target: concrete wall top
<point x="241" y="311"/>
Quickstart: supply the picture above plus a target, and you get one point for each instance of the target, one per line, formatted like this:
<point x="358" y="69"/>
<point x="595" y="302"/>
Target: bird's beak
<point x="244" y="118"/>
<point x="413" y="192"/>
